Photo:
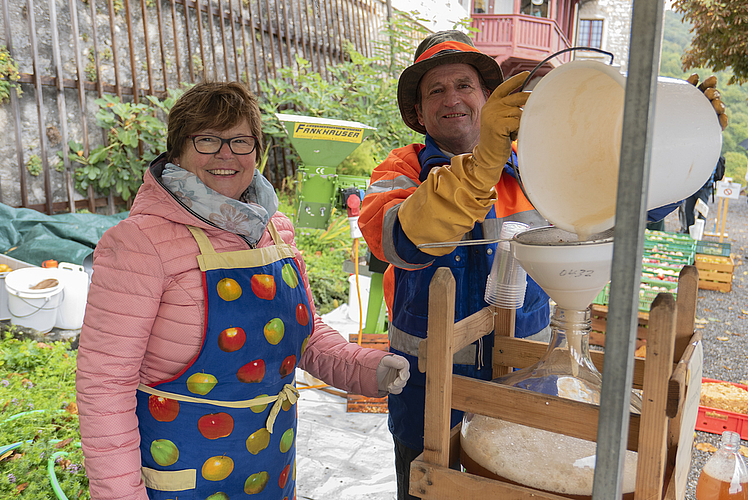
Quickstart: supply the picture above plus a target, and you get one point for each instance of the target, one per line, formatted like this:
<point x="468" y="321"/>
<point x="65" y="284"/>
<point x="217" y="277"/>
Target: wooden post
<point x="654" y="424"/>
<point x="688" y="287"/>
<point x="724" y="218"/>
<point x="503" y="325"/>
<point x="439" y="368"/>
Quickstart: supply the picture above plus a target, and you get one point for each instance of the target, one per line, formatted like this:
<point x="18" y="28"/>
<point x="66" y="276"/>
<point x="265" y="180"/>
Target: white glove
<point x="392" y="374"/>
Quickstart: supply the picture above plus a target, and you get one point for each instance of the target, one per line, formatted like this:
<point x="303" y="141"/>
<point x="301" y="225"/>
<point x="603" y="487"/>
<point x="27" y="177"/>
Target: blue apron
<point x="225" y="426"/>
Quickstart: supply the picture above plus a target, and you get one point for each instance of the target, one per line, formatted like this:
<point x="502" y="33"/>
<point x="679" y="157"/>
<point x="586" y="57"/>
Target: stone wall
<point x="249" y="41"/>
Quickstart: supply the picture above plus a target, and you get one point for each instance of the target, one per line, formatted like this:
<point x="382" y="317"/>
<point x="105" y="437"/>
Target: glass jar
<point x="541" y="459"/>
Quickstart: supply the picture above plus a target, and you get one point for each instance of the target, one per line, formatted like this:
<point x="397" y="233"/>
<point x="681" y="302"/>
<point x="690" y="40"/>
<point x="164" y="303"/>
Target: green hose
<point x="50" y="462"/>
<point x="53" y="477"/>
<point x="51" y="471"/>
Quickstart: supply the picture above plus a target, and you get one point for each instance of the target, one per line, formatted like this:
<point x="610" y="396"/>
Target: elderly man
<point x="438" y="193"/>
<point x="458" y="185"/>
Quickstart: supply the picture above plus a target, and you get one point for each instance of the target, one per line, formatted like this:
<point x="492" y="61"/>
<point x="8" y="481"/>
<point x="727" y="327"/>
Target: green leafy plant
<point x="119" y="166"/>
<point x="34" y="165"/>
<point x="38" y="419"/>
<point x="8" y="75"/>
<point x="361" y="89"/>
<point x="197" y="62"/>
<point x="90" y="69"/>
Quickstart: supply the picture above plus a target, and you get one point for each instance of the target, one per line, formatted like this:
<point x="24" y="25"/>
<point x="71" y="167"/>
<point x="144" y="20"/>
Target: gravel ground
<point x="724" y="319"/>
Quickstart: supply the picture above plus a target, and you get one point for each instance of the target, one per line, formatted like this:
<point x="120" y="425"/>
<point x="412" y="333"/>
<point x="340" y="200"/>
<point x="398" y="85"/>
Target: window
<point x="537" y="8"/>
<point x="590" y="33"/>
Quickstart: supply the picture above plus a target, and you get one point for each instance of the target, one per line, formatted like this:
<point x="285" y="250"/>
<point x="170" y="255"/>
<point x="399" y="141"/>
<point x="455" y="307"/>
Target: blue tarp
<point x="34" y="237"/>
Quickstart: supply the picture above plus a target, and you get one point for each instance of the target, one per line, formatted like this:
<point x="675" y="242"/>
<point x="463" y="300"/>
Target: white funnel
<point x="569" y="144"/>
<point x="572" y="272"/>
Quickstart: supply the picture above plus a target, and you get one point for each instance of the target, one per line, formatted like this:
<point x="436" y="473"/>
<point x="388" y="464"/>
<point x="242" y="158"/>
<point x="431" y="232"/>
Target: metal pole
<point x="639" y="105"/>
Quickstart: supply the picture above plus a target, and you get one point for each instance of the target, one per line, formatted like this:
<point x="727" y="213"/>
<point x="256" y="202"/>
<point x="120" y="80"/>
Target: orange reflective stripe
<point x="401" y="161"/>
<point x="458" y="46"/>
<point x="388" y="285"/>
<point x="511" y="199"/>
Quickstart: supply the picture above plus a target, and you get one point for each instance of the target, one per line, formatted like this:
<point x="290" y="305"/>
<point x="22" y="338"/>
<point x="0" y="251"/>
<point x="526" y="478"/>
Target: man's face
<point x="451" y="101"/>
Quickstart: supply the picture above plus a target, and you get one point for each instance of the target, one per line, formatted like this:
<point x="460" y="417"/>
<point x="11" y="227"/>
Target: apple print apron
<point x="225" y="426"/>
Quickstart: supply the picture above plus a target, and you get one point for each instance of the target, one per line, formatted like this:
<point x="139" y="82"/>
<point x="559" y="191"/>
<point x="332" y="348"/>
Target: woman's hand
<point x="392" y="374"/>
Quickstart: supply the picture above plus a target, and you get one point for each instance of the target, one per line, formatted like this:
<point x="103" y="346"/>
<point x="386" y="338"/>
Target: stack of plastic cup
<point x="506" y="284"/>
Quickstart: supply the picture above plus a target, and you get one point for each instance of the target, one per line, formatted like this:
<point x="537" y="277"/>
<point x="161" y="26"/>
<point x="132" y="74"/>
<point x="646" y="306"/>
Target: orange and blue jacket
<point x="407" y="278"/>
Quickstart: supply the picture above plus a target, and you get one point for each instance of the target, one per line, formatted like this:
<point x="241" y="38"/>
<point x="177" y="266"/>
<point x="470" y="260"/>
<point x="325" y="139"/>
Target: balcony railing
<point x="519" y="35"/>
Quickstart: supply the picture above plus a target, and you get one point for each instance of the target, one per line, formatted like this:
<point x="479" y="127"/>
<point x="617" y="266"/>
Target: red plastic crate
<point x="716" y="421"/>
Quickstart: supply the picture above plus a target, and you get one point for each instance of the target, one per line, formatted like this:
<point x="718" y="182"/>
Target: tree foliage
<point x="674" y="45"/>
<point x="720" y="36"/>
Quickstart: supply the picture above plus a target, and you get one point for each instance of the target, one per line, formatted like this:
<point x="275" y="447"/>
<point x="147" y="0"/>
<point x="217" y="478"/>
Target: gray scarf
<point x="247" y="216"/>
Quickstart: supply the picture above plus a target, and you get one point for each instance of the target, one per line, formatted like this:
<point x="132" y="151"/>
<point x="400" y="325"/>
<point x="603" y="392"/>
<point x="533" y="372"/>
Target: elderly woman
<point x="198" y="314"/>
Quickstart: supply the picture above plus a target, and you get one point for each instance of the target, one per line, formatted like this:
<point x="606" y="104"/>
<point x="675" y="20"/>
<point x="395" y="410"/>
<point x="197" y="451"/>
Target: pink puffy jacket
<point x="144" y="322"/>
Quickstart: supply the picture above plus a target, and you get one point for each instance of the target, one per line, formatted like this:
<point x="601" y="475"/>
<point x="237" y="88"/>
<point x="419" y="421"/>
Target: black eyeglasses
<point x="211" y="144"/>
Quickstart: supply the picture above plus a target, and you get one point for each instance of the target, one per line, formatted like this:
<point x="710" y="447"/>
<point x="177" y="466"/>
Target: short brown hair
<point x="212" y="105"/>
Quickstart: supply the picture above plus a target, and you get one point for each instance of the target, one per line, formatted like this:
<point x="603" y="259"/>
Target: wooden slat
<point x="147" y="42"/>
<point x="533" y="409"/>
<point x="678" y="382"/>
<point x="200" y="39"/>
<point x="212" y="33"/>
<point x="61" y="105"/>
<point x="115" y="55"/>
<point x="161" y="46"/>
<point x="175" y="34"/>
<point x="222" y="34"/>
<point x="131" y="47"/>
<point x="441" y="483"/>
<point x="503" y="325"/>
<point x="521" y="353"/>
<point x="714" y="285"/>
<point x="466" y="332"/>
<point x="439" y="370"/>
<point x="652" y="455"/>
<point x="39" y="108"/>
<point x="688" y="283"/>
<point x="15" y="107"/>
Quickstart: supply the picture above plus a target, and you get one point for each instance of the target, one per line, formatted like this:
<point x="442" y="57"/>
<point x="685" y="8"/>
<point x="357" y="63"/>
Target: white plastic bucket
<point x="75" y="282"/>
<point x="569" y="144"/>
<point x="35" y="309"/>
<point x="364" y="283"/>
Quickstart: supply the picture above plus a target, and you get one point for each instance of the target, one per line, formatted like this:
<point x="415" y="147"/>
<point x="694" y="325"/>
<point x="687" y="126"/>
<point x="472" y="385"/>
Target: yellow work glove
<point x="453" y="198"/>
<point x="709" y="88"/>
<point x="499" y="123"/>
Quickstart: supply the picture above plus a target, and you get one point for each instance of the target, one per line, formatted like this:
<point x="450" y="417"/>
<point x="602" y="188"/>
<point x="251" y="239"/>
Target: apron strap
<point x="206" y="247"/>
<point x="287" y="393"/>
<point x="210" y="259"/>
<point x="275" y="234"/>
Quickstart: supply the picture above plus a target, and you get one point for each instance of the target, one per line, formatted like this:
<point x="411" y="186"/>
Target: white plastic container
<point x="569" y="144"/>
<point x="75" y="282"/>
<point x="696" y="230"/>
<point x="35" y="309"/>
<point x="13" y="264"/>
<point x="364" y="283"/>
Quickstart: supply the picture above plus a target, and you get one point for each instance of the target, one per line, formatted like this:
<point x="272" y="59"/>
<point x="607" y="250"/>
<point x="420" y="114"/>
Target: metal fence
<point x="71" y="52"/>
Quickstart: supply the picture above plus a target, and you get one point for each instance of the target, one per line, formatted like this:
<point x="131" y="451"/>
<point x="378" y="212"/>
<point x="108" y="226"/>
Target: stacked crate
<point x="664" y="256"/>
<point x="715" y="266"/>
